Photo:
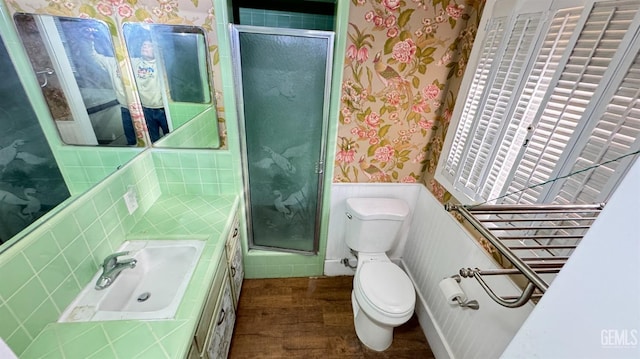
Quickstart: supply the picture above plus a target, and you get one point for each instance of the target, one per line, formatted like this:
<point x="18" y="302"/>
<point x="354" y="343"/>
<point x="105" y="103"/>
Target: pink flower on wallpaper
<point x="352" y="51"/>
<point x="408" y="179"/>
<point x="393" y="32"/>
<point x="369" y="16"/>
<point x="421" y="106"/>
<point x="390" y="21"/>
<point x="157" y="11"/>
<point x="116" y="2"/>
<point x="372" y="119"/>
<point x="354" y="131"/>
<point x="431" y="92"/>
<point x="125" y="10"/>
<point x="362" y="2"/>
<point x="69" y="5"/>
<point x="363" y="54"/>
<point x="378" y="21"/>
<point x="447" y="115"/>
<point x="384" y="154"/>
<point x="437" y="190"/>
<point x="393" y="98"/>
<point x="345" y="111"/>
<point x="426" y="124"/>
<point x="374" y="141"/>
<point x="445" y="59"/>
<point x="372" y="133"/>
<point x="403" y="51"/>
<point x="104" y="9"/>
<point x="346" y="156"/>
<point x="391" y="4"/>
<point x="84" y="16"/>
<point x="455" y="11"/>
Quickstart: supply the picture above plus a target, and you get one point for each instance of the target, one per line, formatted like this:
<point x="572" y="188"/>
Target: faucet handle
<point x="112" y="259"/>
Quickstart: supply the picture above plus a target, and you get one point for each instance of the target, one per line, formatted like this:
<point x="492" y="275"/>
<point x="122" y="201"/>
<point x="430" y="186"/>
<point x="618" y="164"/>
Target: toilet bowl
<point x="383" y="296"/>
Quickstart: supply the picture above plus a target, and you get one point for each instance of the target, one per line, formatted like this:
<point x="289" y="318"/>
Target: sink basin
<point x="153" y="289"/>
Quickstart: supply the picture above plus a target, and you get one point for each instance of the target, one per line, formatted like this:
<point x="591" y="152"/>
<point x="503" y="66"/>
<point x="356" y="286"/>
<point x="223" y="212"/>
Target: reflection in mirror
<point x="76" y="65"/>
<point x="169" y="64"/>
<point x="30" y="182"/>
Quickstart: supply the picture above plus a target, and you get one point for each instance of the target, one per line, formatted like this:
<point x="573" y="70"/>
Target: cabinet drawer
<point x="233" y="237"/>
<point x="209" y="307"/>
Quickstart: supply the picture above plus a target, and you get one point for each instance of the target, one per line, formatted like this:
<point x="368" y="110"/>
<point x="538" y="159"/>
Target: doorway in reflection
<point x="30" y="181"/>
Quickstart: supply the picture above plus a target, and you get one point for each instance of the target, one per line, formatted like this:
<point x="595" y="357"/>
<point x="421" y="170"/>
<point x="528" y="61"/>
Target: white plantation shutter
<point x="488" y="124"/>
<point x="490" y="47"/>
<point x="616" y="133"/>
<point x="552" y="93"/>
<point x="581" y="77"/>
<point x="562" y="26"/>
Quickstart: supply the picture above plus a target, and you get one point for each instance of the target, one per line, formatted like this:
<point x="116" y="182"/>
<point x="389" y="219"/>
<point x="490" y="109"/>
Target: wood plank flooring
<point x="310" y="318"/>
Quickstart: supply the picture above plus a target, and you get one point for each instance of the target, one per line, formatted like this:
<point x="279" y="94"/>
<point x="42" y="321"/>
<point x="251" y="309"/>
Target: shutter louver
<point x="554" y="45"/>
<point x="490" y="47"/>
<point x="615" y="134"/>
<point x="599" y="39"/>
<point x="488" y="126"/>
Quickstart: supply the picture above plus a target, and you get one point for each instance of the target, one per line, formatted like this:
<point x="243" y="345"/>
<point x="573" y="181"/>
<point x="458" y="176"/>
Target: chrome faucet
<point x="111" y="268"/>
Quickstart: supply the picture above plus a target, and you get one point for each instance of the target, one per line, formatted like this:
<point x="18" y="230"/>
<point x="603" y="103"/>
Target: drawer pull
<point x="233" y="271"/>
<point x="235" y="232"/>
<point x="222" y="315"/>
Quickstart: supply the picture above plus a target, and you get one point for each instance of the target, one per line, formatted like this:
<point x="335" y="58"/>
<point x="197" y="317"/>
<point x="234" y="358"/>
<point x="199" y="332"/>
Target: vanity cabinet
<point x="234" y="258"/>
<point x="213" y="334"/>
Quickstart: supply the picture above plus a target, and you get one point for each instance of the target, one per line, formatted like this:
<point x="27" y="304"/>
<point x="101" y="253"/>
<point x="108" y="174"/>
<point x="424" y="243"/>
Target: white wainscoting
<point x="336" y="247"/>
<point x="437" y="247"/>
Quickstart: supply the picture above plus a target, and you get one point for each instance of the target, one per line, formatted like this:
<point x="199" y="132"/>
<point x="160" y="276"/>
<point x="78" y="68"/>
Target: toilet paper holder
<point x="471" y="304"/>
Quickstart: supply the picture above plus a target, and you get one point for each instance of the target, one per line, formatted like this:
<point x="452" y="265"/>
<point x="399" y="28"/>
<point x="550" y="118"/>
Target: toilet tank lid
<point x="378" y="208"/>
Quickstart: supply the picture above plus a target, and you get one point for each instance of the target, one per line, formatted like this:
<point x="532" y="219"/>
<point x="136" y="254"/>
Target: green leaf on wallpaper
<point x="195" y="3"/>
<point x="402" y="67"/>
<point x="452" y="22"/>
<point x="372" y="151"/>
<point x="404" y="153"/>
<point x="371" y="98"/>
<point x="384" y="130"/>
<point x="142" y="14"/>
<point x="394" y="174"/>
<point x="428" y="51"/>
<point x="405" y="35"/>
<point x="404" y="17"/>
<point x="87" y="9"/>
<point x="416" y="82"/>
<point x="446" y="196"/>
<point x="388" y="45"/>
<point x="422" y="68"/>
<point x="400" y="165"/>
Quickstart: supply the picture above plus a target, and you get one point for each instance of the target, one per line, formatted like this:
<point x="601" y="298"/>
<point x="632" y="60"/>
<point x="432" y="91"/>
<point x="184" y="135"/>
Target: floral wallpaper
<point x="403" y="67"/>
<point x="116" y="12"/>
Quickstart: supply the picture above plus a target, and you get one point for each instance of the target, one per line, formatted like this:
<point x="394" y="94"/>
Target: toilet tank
<point x="373" y="223"/>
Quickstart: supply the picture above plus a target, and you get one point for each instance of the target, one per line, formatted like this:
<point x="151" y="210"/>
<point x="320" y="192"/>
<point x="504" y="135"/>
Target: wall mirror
<point x="31" y="183"/>
<point x="75" y="63"/>
<point x="170" y="67"/>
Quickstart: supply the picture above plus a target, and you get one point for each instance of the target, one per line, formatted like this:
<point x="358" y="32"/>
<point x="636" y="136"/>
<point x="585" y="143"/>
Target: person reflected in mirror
<point x="150" y="90"/>
<point x="102" y="53"/>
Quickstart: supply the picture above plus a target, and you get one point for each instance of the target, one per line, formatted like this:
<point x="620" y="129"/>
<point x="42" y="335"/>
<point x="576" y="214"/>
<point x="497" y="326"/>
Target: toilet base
<point x="372" y="334"/>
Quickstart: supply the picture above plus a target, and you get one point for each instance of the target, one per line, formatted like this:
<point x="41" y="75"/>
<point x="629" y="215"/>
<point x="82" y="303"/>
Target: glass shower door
<point x="282" y="82"/>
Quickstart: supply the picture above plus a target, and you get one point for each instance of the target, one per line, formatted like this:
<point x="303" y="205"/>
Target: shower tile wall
<point x="291" y="20"/>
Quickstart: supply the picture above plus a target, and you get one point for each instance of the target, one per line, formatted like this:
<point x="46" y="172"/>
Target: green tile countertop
<point x="170" y="217"/>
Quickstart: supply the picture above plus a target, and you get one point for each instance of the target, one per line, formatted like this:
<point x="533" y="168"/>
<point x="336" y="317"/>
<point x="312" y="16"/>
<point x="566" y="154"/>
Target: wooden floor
<point x="310" y="318"/>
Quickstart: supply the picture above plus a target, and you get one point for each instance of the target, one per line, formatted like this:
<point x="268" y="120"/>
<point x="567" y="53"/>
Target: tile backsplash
<point x="45" y="270"/>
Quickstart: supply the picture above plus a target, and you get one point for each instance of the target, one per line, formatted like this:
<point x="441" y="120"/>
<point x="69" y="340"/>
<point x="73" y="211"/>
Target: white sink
<point x="153" y="289"/>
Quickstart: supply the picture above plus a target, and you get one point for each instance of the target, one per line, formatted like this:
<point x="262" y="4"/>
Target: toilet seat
<point x="386" y="288"/>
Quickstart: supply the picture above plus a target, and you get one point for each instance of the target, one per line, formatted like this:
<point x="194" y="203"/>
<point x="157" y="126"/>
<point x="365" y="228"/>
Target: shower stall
<point x="283" y="80"/>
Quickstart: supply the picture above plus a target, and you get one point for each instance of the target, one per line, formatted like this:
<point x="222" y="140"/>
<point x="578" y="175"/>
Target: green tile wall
<point x="49" y="266"/>
<point x="200" y="132"/>
<point x="195" y="172"/>
<point x="182" y="112"/>
<point x="285" y="19"/>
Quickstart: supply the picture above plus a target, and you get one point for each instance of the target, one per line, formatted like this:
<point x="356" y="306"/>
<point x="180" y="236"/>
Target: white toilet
<point x="383" y="296"/>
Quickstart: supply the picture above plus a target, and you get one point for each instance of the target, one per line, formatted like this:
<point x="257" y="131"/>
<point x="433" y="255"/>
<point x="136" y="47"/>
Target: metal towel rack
<point x="536" y="239"/>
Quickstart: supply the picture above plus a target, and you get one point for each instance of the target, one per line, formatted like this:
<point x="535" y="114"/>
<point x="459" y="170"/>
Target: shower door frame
<point x="235" y="31"/>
